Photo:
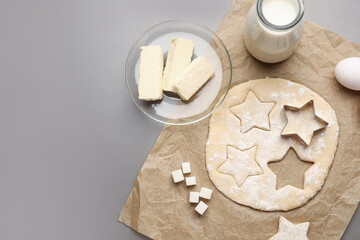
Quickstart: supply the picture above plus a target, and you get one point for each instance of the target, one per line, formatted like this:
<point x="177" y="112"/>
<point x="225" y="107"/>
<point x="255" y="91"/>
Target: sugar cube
<point x="201" y="207"/>
<point x="177" y="176"/>
<point x="190" y="181"/>
<point x="194" y="197"/>
<point x="186" y="167"/>
<point x="205" y="193"/>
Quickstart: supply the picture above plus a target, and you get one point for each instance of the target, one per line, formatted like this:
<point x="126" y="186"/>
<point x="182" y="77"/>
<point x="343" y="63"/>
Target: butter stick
<point x="151" y="71"/>
<point x="193" y="78"/>
<point x="178" y="58"/>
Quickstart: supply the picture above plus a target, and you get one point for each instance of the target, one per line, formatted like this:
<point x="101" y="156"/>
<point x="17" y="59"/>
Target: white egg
<point x="347" y="72"/>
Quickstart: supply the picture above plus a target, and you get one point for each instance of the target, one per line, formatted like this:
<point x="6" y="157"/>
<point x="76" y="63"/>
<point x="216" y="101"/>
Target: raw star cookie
<point x="288" y="230"/>
<point x="245" y="134"/>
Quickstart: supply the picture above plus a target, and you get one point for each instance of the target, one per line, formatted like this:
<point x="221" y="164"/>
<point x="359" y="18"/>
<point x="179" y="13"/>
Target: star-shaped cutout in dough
<point x="253" y="113"/>
<point x="240" y="164"/>
<point x="290" y="170"/>
<point x="302" y="122"/>
<point x="290" y="231"/>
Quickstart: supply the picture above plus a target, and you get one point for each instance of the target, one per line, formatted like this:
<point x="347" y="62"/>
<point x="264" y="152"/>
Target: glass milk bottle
<point x="273" y="29"/>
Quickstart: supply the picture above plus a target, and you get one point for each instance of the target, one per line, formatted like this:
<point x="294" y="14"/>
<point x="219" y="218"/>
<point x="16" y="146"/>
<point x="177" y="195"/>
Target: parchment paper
<point x="160" y="209"/>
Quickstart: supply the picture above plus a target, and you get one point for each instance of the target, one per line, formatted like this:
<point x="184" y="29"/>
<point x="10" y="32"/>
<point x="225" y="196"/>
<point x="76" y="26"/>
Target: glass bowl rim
<point x="191" y="23"/>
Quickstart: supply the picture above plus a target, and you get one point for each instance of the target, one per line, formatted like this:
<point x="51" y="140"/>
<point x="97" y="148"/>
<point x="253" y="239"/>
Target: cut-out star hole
<point x="240" y="164"/>
<point x="253" y="113"/>
<point x="290" y="170"/>
<point x="302" y="122"/>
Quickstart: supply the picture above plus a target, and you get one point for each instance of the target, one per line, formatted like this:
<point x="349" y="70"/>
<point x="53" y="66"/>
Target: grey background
<point x="71" y="140"/>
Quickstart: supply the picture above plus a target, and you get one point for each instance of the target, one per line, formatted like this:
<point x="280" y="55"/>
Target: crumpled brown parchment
<point x="160" y="209"/>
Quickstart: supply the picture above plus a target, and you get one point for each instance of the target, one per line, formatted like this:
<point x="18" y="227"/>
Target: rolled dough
<point x="259" y="191"/>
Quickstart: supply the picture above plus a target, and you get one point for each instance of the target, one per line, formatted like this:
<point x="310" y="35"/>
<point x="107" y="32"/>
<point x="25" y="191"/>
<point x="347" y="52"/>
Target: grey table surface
<point x="71" y="140"/>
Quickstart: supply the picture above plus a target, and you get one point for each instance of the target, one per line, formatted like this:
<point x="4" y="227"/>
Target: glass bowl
<point x="171" y="109"/>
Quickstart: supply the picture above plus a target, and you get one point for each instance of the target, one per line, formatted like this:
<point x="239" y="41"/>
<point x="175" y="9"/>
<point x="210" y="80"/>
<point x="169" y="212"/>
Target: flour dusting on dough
<point x="259" y="191"/>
